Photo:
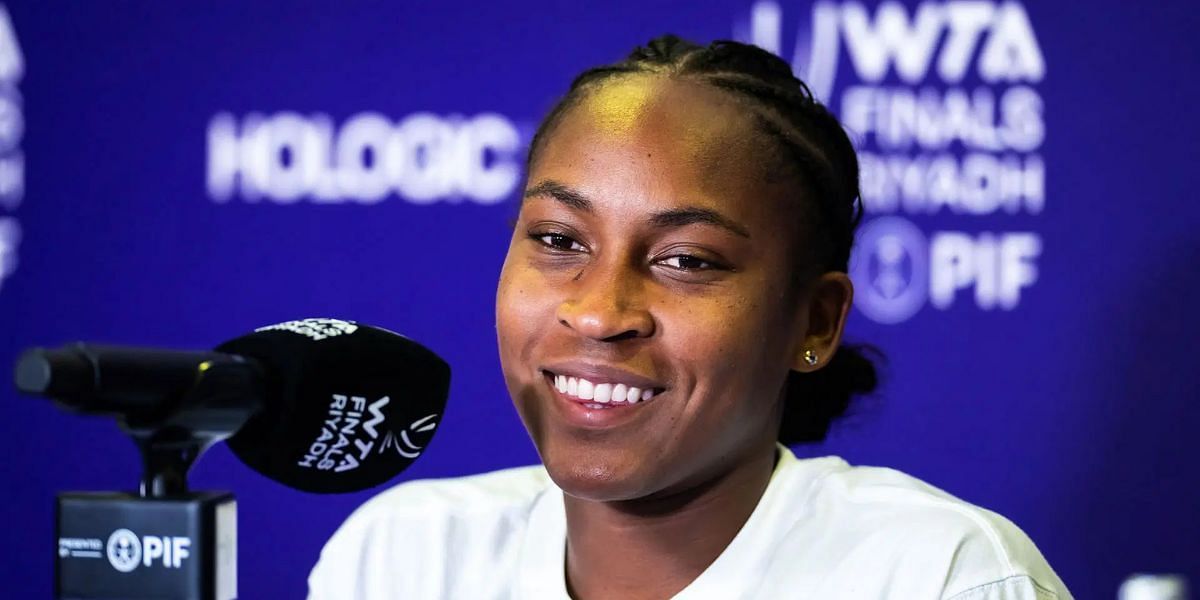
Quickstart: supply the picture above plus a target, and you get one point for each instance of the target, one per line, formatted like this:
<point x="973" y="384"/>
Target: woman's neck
<point x="653" y="549"/>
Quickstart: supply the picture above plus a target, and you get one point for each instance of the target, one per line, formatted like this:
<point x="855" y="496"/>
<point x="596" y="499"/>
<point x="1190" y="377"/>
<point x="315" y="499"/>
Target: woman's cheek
<point x="522" y="302"/>
<point x="509" y="312"/>
<point x="725" y="340"/>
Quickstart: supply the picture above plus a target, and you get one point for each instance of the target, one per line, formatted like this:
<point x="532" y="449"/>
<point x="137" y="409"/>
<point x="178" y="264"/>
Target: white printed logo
<point x="12" y="61"/>
<point x="896" y="271"/>
<point x="12" y="129"/>
<point x="332" y="447"/>
<point x="1008" y="48"/>
<point x="403" y="443"/>
<point x="941" y="103"/>
<point x="12" y="117"/>
<point x="287" y="157"/>
<point x="340" y="430"/>
<point x="10" y="237"/>
<point x="891" y="269"/>
<point x="80" y="547"/>
<point x="1149" y="586"/>
<point x="314" y="329"/>
<point x="124" y="550"/>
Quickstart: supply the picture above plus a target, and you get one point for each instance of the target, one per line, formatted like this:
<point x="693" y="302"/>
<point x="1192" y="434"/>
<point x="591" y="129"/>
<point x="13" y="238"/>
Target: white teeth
<point x="618" y="392"/>
<point x="586" y="389"/>
<point x="603" y="393"/>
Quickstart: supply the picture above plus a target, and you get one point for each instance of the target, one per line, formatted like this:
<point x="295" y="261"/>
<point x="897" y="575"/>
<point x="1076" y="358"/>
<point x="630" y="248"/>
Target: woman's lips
<point x="577" y="411"/>
<point x="598" y="394"/>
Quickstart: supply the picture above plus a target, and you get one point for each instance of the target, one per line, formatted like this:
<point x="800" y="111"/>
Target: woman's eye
<point x="558" y="241"/>
<point x="685" y="262"/>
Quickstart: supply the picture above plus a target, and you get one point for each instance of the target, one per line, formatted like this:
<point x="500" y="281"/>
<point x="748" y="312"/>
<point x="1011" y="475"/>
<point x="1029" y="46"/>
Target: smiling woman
<point x="670" y="310"/>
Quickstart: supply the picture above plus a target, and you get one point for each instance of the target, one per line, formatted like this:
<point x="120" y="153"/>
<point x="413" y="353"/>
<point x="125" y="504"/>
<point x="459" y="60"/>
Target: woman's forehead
<point x="694" y="121"/>
<point x="662" y="137"/>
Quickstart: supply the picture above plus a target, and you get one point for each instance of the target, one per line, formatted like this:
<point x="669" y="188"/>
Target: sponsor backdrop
<point x="177" y="175"/>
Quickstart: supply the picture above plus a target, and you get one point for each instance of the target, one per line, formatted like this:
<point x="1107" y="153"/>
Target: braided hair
<point x="813" y="146"/>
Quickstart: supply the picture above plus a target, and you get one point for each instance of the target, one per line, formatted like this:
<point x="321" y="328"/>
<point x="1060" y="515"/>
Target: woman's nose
<point x="607" y="304"/>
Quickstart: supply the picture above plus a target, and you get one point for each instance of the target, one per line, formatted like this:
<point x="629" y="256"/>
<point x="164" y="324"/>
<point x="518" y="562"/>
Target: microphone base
<point x="114" y="545"/>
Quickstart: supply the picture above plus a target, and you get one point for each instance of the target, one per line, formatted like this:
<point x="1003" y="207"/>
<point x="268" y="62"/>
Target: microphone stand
<point x="165" y="541"/>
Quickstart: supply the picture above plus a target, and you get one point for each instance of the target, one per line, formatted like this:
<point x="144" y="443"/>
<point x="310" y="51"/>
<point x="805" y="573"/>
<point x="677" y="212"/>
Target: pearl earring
<point x="810" y="357"/>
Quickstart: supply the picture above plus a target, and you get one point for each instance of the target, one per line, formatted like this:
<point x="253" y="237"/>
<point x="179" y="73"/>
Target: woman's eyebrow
<point x="676" y="217"/>
<point x="560" y="192"/>
<point x="688" y="215"/>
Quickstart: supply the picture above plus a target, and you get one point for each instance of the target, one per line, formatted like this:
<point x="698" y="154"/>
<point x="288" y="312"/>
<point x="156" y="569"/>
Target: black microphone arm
<point x="145" y="386"/>
<point x="174" y="404"/>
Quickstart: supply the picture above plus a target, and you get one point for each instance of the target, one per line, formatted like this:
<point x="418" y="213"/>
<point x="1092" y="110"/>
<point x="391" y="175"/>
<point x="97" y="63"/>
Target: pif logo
<point x="126" y="551"/>
<point x="896" y="270"/>
<point x="891" y="270"/>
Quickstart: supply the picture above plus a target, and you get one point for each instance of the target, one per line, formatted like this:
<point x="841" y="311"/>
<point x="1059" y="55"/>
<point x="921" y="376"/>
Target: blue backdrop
<point x="176" y="175"/>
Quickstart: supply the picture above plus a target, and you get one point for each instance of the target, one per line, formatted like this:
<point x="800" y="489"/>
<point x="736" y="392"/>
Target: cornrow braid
<point x="813" y="144"/>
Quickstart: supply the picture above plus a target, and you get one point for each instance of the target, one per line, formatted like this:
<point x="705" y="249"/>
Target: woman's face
<point x="653" y="251"/>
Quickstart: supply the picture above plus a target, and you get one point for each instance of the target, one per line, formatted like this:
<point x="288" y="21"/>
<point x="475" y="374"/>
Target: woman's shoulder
<point x="400" y="539"/>
<point x="901" y="528"/>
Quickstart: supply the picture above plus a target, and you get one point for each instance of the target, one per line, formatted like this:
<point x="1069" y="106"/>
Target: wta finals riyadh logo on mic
<point x="942" y="104"/>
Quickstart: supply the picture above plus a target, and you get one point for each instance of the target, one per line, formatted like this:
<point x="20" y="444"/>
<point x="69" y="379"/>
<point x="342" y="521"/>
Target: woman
<point x="671" y="309"/>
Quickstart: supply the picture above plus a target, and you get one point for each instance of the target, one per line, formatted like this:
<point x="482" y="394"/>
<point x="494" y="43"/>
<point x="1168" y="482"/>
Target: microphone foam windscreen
<point x="348" y="406"/>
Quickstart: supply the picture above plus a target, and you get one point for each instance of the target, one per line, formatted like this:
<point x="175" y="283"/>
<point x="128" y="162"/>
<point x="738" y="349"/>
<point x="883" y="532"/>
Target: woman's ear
<point x="827" y="302"/>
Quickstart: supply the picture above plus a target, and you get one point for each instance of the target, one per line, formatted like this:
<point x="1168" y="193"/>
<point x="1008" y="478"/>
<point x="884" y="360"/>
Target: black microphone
<point x="347" y="406"/>
<point x="320" y="405"/>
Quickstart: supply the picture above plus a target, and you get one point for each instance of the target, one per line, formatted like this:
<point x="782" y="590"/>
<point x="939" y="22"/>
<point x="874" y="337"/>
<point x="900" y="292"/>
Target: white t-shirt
<point x="823" y="529"/>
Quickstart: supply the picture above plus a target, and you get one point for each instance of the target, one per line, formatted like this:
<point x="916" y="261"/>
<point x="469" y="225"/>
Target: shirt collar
<point x="542" y="571"/>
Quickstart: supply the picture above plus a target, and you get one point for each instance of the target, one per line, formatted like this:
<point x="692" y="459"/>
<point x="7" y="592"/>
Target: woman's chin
<point x="597" y="479"/>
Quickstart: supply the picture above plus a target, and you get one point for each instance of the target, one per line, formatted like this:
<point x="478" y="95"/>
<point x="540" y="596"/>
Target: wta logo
<point x="941" y="104"/>
<point x="946" y="38"/>
<point x="351" y="430"/>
